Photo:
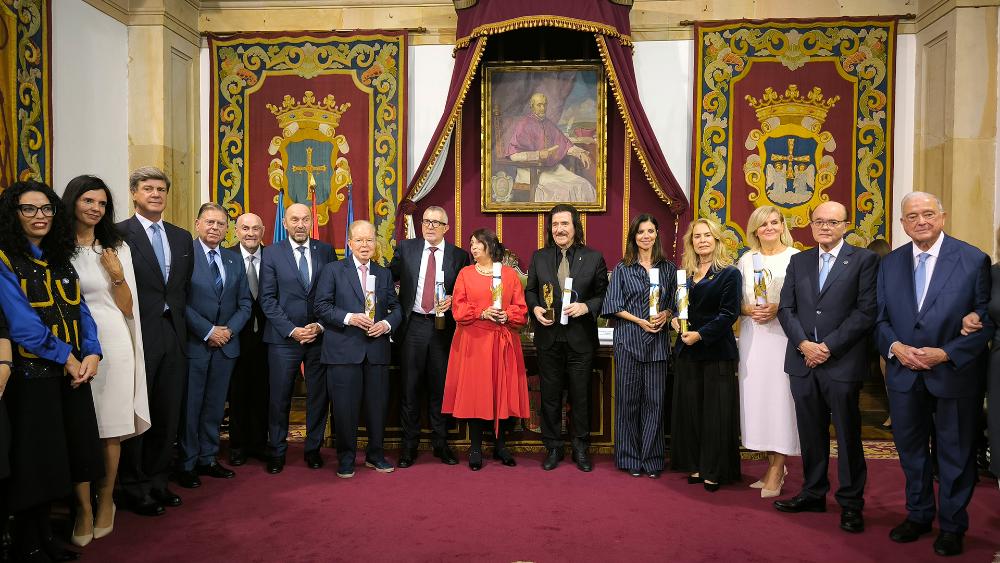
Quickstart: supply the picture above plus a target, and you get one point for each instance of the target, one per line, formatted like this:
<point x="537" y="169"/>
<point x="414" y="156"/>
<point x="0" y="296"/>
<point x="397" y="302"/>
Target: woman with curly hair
<point x="54" y="438"/>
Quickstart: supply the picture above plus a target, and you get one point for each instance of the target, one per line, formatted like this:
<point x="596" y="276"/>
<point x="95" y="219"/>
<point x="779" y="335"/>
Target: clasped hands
<point x="815" y="353"/>
<point x="493" y="314"/>
<point x="372" y="328"/>
<point x="761" y="314"/>
<point x="81" y="371"/>
<point x="219" y="336"/>
<point x="690" y="337"/>
<point x="655" y="324"/>
<point x="918" y="359"/>
<point x="307" y="334"/>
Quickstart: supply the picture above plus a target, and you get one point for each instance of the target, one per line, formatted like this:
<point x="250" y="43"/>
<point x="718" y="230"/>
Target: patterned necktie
<point x="825" y="270"/>
<point x="158" y="249"/>
<point x="430" y="278"/>
<point x="563" y="272"/>
<point x="303" y="267"/>
<point x="252" y="280"/>
<point x="215" y="271"/>
<point x="920" y="277"/>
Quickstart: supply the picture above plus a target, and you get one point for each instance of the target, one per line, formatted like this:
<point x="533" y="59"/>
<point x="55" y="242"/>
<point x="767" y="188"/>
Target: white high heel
<point x="81" y="541"/>
<point x="101" y="532"/>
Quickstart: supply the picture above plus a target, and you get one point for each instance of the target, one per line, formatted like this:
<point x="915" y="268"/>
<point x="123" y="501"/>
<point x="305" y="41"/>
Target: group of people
<point x="121" y="344"/>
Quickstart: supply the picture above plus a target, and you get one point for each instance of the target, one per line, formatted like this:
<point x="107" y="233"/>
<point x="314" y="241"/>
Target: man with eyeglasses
<point x="424" y="349"/>
<point x="827" y="310"/>
<point x="935" y="372"/>
<point x="163" y="260"/>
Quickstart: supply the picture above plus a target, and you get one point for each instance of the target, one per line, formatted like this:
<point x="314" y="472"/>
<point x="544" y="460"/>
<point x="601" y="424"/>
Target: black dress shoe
<point x="635" y="472"/>
<point x="57" y="551"/>
<point x="712" y="487"/>
<point x="582" y="460"/>
<point x="852" y="521"/>
<point x="166" y="497"/>
<point x="237" y="457"/>
<point x="215" y="470"/>
<point x="475" y="460"/>
<point x="407" y="457"/>
<point x="654" y="474"/>
<point x="146" y="507"/>
<point x="504" y="456"/>
<point x="908" y="531"/>
<point x="446" y="455"/>
<point x="313" y="459"/>
<point x="948" y="543"/>
<point x="552" y="460"/>
<point x="188" y="479"/>
<point x="692" y="480"/>
<point x="275" y="464"/>
<point x="801" y="503"/>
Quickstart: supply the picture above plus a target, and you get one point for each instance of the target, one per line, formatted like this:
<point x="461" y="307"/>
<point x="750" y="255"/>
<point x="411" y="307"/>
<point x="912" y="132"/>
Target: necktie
<point x="303" y="267"/>
<point x="215" y="271"/>
<point x="252" y="280"/>
<point x="825" y="270"/>
<point x="430" y="278"/>
<point x="563" y="272"/>
<point x="920" y="277"/>
<point x="158" y="249"/>
<point x="369" y="302"/>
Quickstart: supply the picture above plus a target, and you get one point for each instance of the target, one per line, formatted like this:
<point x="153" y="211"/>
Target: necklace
<point x="487" y="272"/>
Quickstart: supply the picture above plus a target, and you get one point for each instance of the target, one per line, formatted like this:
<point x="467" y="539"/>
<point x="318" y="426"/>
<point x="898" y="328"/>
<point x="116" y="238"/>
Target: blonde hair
<point x="760" y="216"/>
<point x="720" y="256"/>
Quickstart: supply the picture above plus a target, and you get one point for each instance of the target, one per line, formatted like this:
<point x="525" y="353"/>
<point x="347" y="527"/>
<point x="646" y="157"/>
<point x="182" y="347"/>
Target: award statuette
<point x="370" y="297"/>
<point x="761" y="277"/>
<point x="547" y="296"/>
<point x="439" y="297"/>
<point x="496" y="287"/>
<point x="654" y="293"/>
<point x="567" y="298"/>
<point x="682" y="300"/>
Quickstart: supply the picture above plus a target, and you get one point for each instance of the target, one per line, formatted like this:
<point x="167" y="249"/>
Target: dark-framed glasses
<point x="29" y="210"/>
<point x="433" y="223"/>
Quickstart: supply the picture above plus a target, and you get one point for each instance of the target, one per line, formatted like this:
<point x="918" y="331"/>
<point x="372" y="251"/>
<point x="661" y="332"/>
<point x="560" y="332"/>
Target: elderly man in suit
<point x="163" y="263"/>
<point x="356" y="302"/>
<point x="289" y="271"/>
<point x="935" y="374"/>
<point x="218" y="307"/>
<point x="827" y="310"/>
<point x="248" y="385"/>
<point x="424" y="348"/>
<point x="566" y="352"/>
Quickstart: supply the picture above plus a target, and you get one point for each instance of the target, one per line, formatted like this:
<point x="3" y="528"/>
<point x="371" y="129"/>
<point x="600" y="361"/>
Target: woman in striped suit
<point x="641" y="348"/>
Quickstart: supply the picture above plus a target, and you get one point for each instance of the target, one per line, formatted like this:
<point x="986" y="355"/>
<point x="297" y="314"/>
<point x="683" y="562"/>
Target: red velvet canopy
<point x="449" y="175"/>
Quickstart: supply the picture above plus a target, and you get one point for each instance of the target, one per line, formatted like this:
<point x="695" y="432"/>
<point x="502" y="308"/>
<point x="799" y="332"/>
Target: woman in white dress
<point x="767" y="412"/>
<point x="104" y="264"/>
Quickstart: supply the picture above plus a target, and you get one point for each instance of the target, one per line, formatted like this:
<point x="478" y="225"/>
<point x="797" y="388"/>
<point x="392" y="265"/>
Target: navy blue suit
<point x="947" y="398"/>
<point x="209" y="368"/>
<point x="288" y="304"/>
<point x="355" y="361"/>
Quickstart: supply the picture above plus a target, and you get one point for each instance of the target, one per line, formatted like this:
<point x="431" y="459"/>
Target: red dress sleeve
<point x="516" y="308"/>
<point x="461" y="307"/>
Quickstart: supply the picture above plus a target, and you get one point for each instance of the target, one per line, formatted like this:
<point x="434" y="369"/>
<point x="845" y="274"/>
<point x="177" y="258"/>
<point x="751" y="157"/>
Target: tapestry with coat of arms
<point x="310" y="118"/>
<point x="792" y="113"/>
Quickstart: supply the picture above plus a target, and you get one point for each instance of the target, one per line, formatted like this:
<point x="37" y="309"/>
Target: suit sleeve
<point x="788" y="315"/>
<point x="531" y="287"/>
<point x="859" y="323"/>
<point x="327" y="309"/>
<point x="269" y="295"/>
<point x="729" y="307"/>
<point x="963" y="349"/>
<point x="395" y="314"/>
<point x="885" y="335"/>
<point x="668" y="288"/>
<point x="396" y="265"/>
<point x="600" y="282"/>
<point x="197" y="324"/>
<point x="244" y="303"/>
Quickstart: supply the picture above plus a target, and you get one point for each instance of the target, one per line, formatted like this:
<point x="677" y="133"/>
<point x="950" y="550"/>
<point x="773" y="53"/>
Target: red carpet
<point x="432" y="512"/>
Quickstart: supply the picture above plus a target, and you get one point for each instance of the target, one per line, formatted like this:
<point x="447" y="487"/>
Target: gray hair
<point x="438" y="209"/>
<point x="360" y="223"/>
<point x="211" y="206"/>
<point x="915" y="195"/>
<point x="144" y="173"/>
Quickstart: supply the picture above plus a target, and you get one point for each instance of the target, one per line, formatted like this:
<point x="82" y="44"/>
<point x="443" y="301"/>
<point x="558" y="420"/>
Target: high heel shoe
<point x="771" y="493"/>
<point x="759" y="484"/>
<point x="504" y="455"/>
<point x="101" y="532"/>
<point x="475" y="460"/>
<point x="81" y="540"/>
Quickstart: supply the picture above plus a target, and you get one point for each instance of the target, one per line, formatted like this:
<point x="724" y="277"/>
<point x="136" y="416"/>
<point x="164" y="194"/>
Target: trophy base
<point x="439" y="323"/>
<point x="550" y="315"/>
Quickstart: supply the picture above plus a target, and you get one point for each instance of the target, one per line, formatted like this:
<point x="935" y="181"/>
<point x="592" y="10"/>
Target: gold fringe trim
<point x="543" y="21"/>
<point x="627" y="173"/>
<point x="629" y="127"/>
<point x="456" y="145"/>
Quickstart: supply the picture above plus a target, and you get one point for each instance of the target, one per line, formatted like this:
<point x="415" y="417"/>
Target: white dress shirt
<point x="146" y="223"/>
<point x="438" y="257"/>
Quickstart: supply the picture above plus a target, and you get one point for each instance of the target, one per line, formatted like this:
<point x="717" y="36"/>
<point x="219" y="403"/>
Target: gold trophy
<point x="654" y="302"/>
<point x="439" y="297"/>
<point x="370" y="305"/>
<point x="550" y="313"/>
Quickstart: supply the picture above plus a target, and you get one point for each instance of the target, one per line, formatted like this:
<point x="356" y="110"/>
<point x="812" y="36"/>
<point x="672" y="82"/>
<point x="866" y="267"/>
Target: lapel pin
<point x="845" y="262"/>
<point x="65" y="281"/>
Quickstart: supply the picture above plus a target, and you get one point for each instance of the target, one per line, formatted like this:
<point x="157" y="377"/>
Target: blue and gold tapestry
<point x="25" y="97"/>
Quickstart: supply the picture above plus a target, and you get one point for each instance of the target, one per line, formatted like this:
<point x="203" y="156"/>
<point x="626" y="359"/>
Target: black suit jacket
<point x="590" y="282"/>
<point x="283" y="297"/>
<point x="405" y="268"/>
<point x="841" y="315"/>
<point x="249" y="336"/>
<point x="152" y="291"/>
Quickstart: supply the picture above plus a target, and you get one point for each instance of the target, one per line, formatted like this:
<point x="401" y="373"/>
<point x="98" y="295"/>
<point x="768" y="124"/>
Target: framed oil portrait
<point x="544" y="136"/>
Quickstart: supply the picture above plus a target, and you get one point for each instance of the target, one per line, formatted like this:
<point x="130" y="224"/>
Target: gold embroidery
<point x="543" y="21"/>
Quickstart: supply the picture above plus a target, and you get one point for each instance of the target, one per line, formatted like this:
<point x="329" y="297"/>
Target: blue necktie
<point x="215" y="271"/>
<point x="920" y="277"/>
<point x="158" y="249"/>
<point x="825" y="269"/>
<point x="303" y="267"/>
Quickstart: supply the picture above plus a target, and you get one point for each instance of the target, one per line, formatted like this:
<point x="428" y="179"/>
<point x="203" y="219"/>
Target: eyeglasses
<point x="432" y="223"/>
<point x="832" y="224"/>
<point x="29" y="210"/>
<point x="926" y="216"/>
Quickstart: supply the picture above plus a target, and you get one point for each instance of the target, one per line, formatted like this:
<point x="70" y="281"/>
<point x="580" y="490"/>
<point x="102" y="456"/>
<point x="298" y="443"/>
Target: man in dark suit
<point x="218" y="308"/>
<point x="163" y="267"/>
<point x="357" y="318"/>
<point x="934" y="374"/>
<point x="289" y="271"/>
<point x="248" y="384"/>
<point x="827" y="310"/>
<point x="424" y="349"/>
<point x="566" y="352"/>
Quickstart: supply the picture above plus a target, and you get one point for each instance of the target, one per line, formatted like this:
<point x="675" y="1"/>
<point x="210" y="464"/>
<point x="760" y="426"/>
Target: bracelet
<point x="117" y="283"/>
<point x="7" y="363"/>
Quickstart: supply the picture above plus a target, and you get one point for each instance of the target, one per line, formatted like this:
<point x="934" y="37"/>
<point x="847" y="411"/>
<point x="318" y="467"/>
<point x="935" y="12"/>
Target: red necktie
<point x="430" y="277"/>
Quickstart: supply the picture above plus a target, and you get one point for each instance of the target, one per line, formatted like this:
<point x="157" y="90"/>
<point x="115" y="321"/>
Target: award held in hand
<point x="682" y="300"/>
<point x="370" y="297"/>
<point x="439" y="297"/>
<point x="496" y="287"/>
<point x="654" y="293"/>
<point x="761" y="277"/>
<point x="548" y="296"/>
<point x="566" y="300"/>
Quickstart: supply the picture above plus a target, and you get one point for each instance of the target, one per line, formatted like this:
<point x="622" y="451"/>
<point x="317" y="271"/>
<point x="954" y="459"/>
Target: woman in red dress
<point x="486" y="379"/>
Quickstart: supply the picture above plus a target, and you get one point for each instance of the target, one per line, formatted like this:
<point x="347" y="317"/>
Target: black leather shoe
<point x="275" y="464"/>
<point x="475" y="460"/>
<point x="215" y="470"/>
<point x="712" y="487"/>
<point x="166" y="497"/>
<point x="146" y="507"/>
<point x="504" y="456"/>
<point x="407" y="457"/>
<point x="188" y="479"/>
<point x="313" y="459"/>
<point x="56" y="550"/>
<point x="908" y="531"/>
<point x="692" y="480"/>
<point x="801" y="504"/>
<point x="948" y="544"/>
<point x="654" y="474"/>
<point x="552" y="460"/>
<point x="446" y="455"/>
<point x="237" y="457"/>
<point x="582" y="460"/>
<point x="852" y="521"/>
<point x="635" y="472"/>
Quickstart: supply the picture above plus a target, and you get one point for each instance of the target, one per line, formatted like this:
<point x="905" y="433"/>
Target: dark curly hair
<point x="493" y="245"/>
<point x="105" y="232"/>
<point x="57" y="246"/>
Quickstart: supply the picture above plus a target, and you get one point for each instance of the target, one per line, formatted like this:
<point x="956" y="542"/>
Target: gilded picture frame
<point x="544" y="136"/>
